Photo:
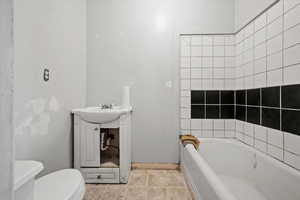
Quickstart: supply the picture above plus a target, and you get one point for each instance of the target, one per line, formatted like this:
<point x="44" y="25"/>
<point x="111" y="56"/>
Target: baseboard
<point x="156" y="166"/>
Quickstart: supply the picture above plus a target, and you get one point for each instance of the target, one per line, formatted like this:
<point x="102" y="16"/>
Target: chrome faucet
<point x="106" y="106"/>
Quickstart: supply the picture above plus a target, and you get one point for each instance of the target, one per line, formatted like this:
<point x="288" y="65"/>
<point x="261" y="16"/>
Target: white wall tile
<point x="260" y="80"/>
<point x="292" y="55"/>
<point x="275" y="152"/>
<point x="196" y="84"/>
<point x="275" y="137"/>
<point x="229" y="51"/>
<point x="185" y="93"/>
<point x="196" y="50"/>
<point x="229" y="134"/>
<point x="197" y="133"/>
<point x="207" y="124"/>
<point x="274" y="78"/>
<point x="185" y="124"/>
<point x="275" y="11"/>
<point x="229" y="61"/>
<point x="185" y="84"/>
<point x="292" y="36"/>
<point x="249" y="82"/>
<point x="229" y="124"/>
<point x="207" y="73"/>
<point x="260" y="22"/>
<point x="239" y="72"/>
<point x="249" y="30"/>
<point x="185" y="41"/>
<point x="240" y="136"/>
<point x="260" y="51"/>
<point x="207" y="84"/>
<point x="291" y="75"/>
<point x="275" y="28"/>
<point x="274" y="45"/>
<point x="240" y="83"/>
<point x="292" y="159"/>
<point x="289" y="4"/>
<point x="196" y="62"/>
<point x="219" y="124"/>
<point x="196" y="124"/>
<point x="196" y="73"/>
<point x="185" y="113"/>
<point x="219" y="51"/>
<point x="260" y="36"/>
<point x="249" y="43"/>
<point x="292" y="143"/>
<point x="185" y="51"/>
<point x="219" y="40"/>
<point x="261" y="146"/>
<point x="196" y="40"/>
<point x="230" y="84"/>
<point x="240" y="126"/>
<point x="218" y="84"/>
<point x="292" y="18"/>
<point x="248" y="56"/>
<point x="219" y="73"/>
<point x="260" y="132"/>
<point x="185" y="62"/>
<point x="239" y="36"/>
<point x="274" y="61"/>
<point x="229" y="40"/>
<point x="207" y="40"/>
<point x="249" y="140"/>
<point x="248" y="69"/>
<point x="219" y="62"/>
<point x="185" y="102"/>
<point x="249" y="129"/>
<point x="229" y="72"/>
<point x="219" y="133"/>
<point x="207" y="51"/>
<point x="185" y="73"/>
<point x="207" y="133"/>
<point x="260" y="65"/>
<point x="207" y="62"/>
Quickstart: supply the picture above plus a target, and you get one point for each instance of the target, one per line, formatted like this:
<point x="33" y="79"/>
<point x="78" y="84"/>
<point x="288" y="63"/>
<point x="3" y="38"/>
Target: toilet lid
<point x="66" y="184"/>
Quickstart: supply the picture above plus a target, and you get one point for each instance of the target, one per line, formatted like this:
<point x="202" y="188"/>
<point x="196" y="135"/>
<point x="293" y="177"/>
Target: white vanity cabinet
<point x="89" y="144"/>
<point x="88" y="157"/>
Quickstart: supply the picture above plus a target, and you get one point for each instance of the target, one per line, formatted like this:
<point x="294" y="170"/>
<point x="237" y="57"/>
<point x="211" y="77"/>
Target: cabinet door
<point x="89" y="144"/>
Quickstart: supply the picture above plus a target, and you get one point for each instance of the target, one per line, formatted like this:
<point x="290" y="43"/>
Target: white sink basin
<point x="101" y="116"/>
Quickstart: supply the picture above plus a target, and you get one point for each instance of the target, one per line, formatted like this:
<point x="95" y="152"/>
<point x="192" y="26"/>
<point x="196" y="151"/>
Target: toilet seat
<point x="66" y="184"/>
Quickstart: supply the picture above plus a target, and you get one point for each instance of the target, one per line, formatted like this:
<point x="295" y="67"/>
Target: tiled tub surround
<point x="266" y="55"/>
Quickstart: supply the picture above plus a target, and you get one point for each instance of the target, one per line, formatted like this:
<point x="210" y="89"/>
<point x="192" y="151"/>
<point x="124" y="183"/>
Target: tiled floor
<point x="143" y="185"/>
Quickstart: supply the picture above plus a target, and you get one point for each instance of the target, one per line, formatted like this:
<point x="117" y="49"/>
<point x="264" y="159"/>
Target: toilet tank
<point x="24" y="176"/>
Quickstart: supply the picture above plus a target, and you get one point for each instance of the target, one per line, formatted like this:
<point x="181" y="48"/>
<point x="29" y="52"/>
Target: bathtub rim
<point x="265" y="156"/>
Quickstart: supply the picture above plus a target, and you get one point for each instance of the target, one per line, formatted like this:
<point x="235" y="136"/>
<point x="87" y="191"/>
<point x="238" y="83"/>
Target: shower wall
<point x="266" y="90"/>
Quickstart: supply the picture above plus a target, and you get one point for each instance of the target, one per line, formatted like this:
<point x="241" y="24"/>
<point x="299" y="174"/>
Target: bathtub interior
<point x="249" y="174"/>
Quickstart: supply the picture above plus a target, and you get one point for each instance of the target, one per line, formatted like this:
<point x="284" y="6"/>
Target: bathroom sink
<point x="99" y="115"/>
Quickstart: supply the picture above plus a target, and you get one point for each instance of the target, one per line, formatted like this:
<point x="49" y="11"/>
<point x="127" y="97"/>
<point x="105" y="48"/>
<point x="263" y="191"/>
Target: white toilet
<point x="67" y="184"/>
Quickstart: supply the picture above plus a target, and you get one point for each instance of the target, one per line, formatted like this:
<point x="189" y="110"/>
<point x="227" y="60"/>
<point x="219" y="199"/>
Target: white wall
<point x="136" y="43"/>
<point x="48" y="34"/>
<point x="246" y="10"/>
<point x="6" y="99"/>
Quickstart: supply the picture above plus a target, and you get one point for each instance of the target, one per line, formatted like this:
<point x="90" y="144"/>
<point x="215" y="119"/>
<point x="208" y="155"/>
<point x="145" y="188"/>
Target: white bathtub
<point x="228" y="170"/>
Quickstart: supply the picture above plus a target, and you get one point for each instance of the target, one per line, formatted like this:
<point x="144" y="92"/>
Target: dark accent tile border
<point x="273" y="107"/>
<point x="271" y="97"/>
